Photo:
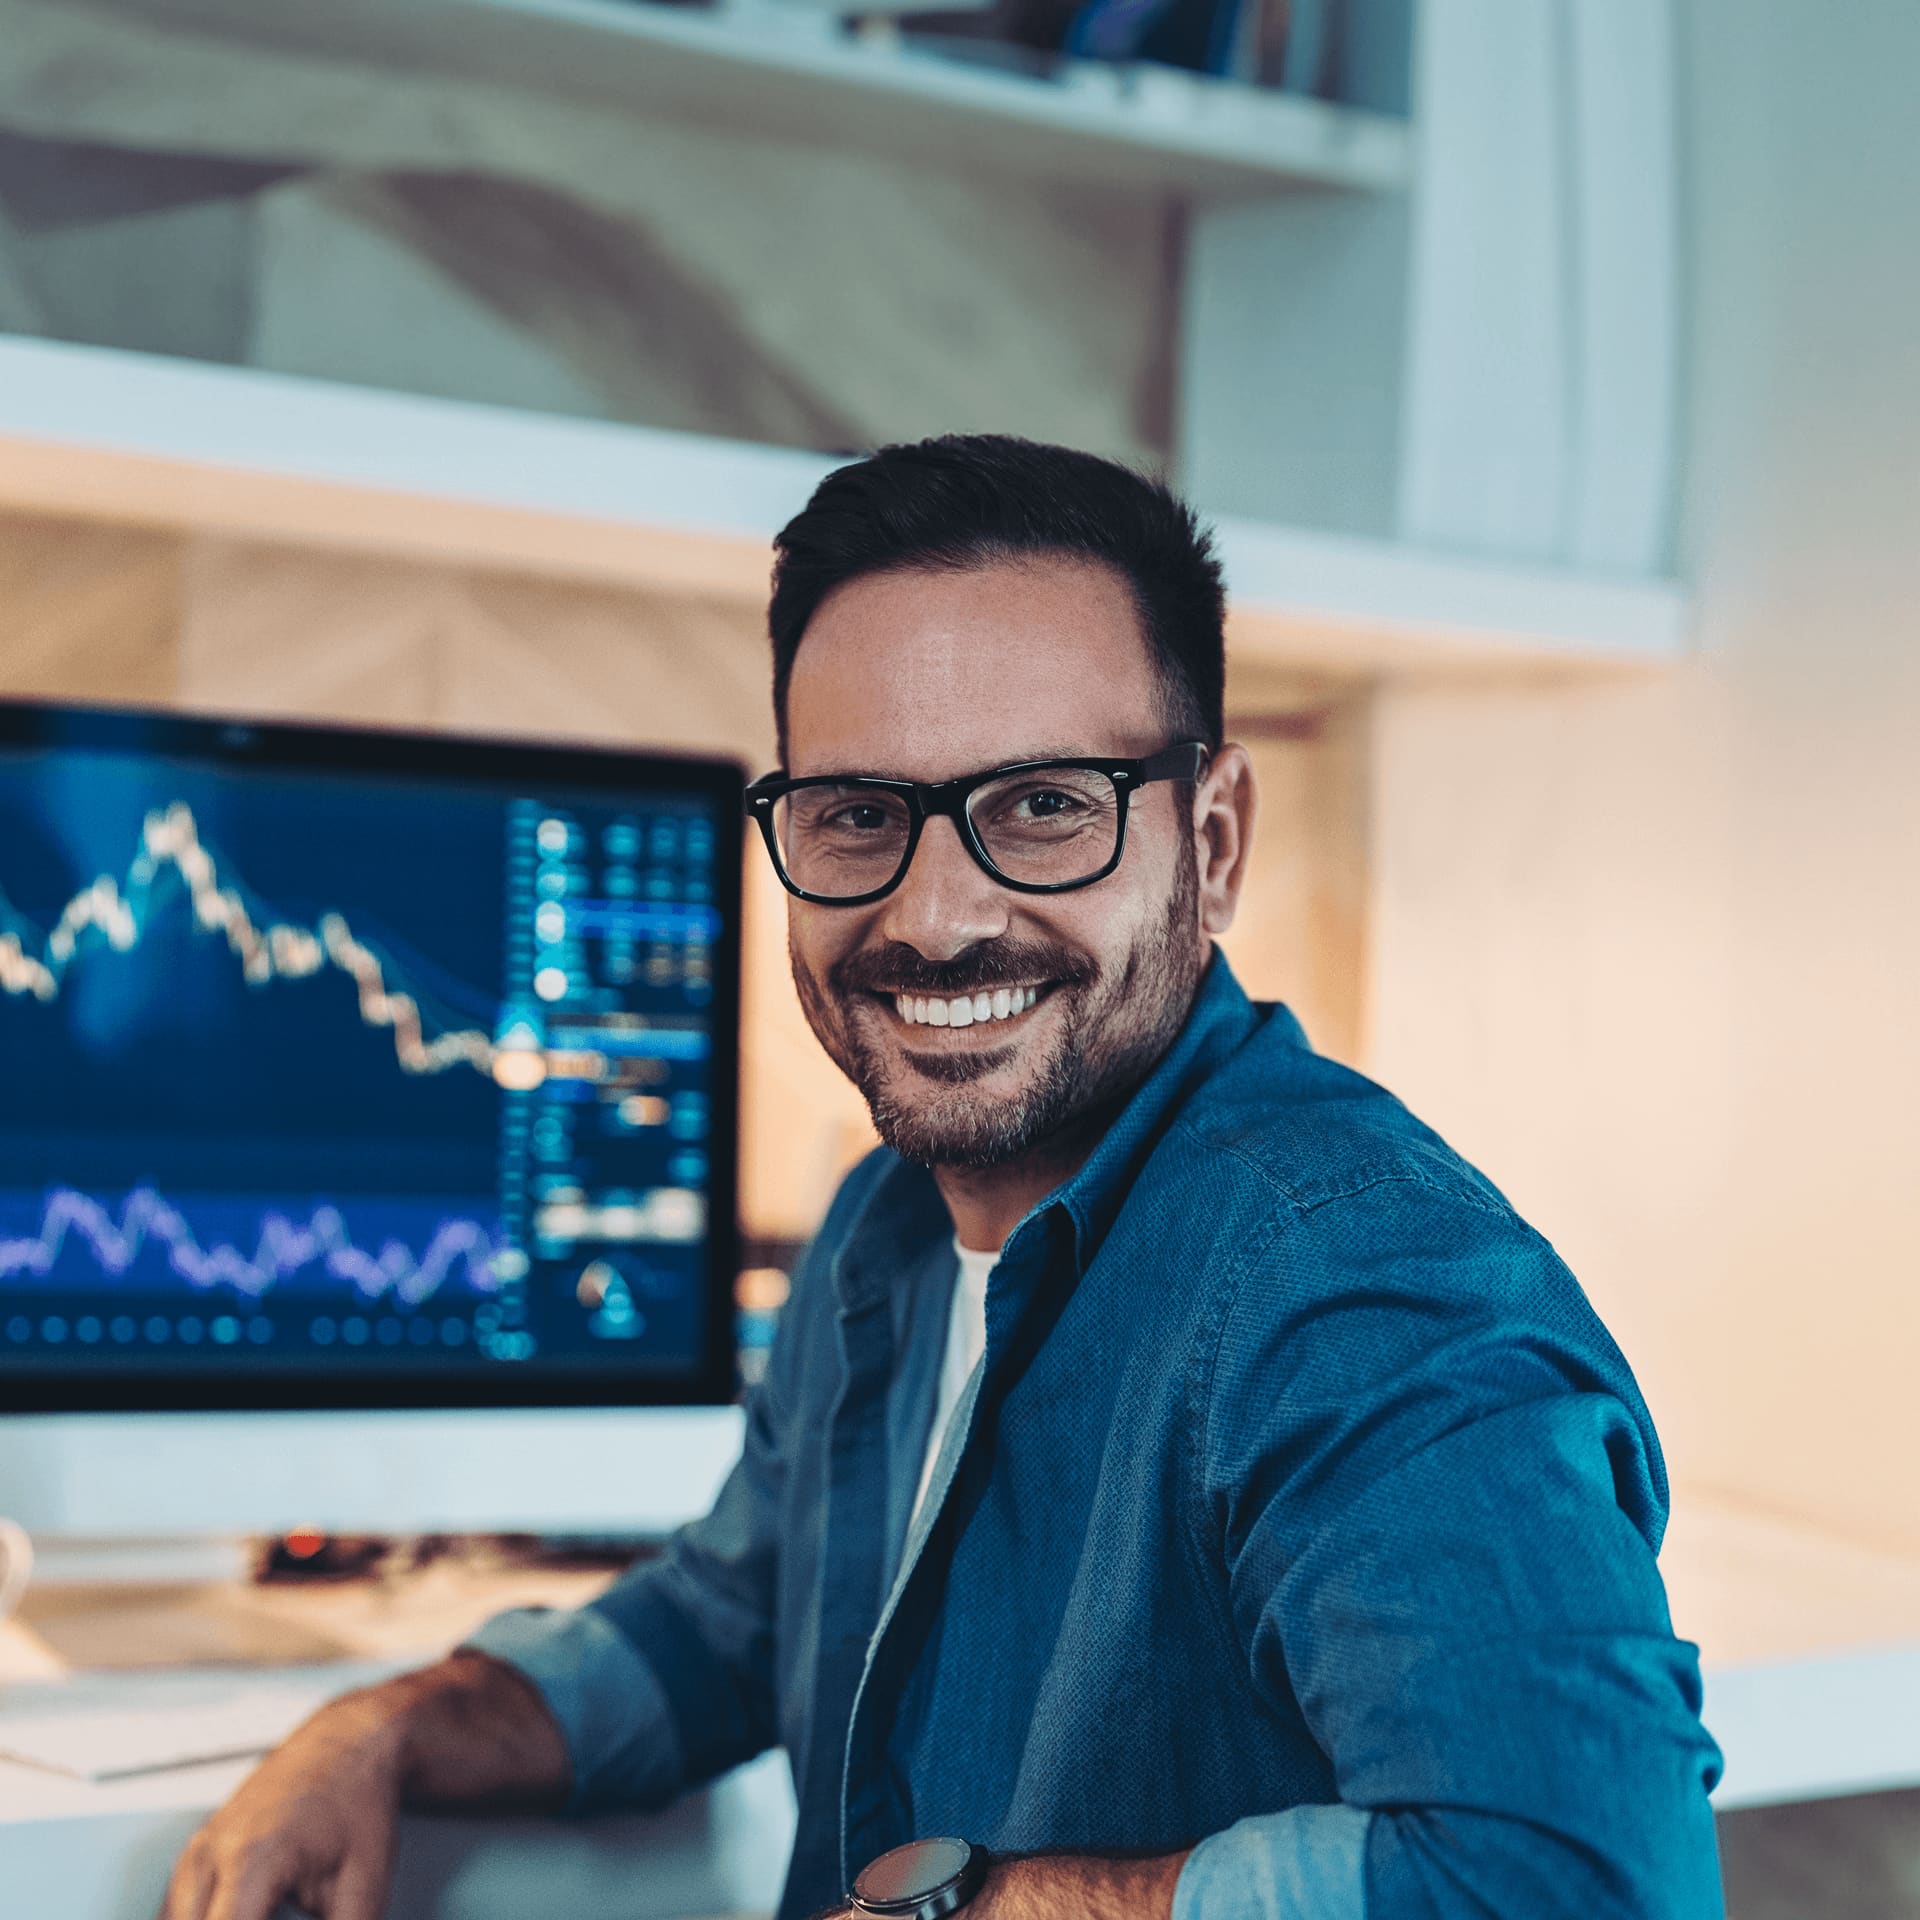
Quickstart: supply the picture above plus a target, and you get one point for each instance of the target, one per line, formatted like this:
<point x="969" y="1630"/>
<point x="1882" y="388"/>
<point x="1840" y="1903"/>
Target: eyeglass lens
<point x="1049" y="827"/>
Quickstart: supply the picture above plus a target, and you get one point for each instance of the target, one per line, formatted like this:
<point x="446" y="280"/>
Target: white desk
<point x="73" y="1850"/>
<point x="1812" y="1650"/>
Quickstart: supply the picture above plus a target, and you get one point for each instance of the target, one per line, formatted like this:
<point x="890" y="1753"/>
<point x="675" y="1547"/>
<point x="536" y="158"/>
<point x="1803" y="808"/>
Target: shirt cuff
<point x="1308" y="1863"/>
<point x="605" y="1699"/>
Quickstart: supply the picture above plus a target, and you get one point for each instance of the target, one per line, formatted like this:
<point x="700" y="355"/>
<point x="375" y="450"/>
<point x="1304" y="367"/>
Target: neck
<point x="987" y="1203"/>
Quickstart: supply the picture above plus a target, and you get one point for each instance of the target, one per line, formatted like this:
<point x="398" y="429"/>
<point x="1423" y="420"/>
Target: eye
<point x="1034" y="806"/>
<point x="1048" y="803"/>
<point x="848" y="813"/>
<point x="860" y="816"/>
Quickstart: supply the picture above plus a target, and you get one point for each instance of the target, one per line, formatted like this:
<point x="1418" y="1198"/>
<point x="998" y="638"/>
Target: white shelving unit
<point x="791" y="74"/>
<point x="1426" y="393"/>
<point x="135" y="438"/>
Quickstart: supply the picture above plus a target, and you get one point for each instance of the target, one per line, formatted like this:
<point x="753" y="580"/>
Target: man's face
<point x="928" y="676"/>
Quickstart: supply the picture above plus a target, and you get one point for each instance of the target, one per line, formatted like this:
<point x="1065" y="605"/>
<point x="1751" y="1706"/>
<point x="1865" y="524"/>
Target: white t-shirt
<point x="966" y="1341"/>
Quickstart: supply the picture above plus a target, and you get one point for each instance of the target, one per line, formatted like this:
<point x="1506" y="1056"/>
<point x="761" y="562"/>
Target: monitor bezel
<point x="236" y="741"/>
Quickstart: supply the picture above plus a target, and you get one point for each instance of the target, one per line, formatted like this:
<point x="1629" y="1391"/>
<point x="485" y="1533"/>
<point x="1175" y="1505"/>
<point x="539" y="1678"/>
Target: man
<point x="1289" y="1550"/>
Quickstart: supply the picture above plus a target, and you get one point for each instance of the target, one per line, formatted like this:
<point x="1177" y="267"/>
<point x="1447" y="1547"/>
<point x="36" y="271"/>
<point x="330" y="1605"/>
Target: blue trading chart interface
<point x="320" y="1071"/>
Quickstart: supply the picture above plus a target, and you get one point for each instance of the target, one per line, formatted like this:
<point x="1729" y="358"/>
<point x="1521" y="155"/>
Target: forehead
<point x="930" y="674"/>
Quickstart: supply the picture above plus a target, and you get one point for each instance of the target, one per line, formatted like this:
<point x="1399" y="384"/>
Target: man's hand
<point x="314" y="1823"/>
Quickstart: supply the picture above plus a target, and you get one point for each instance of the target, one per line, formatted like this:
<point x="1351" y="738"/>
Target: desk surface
<point x="1812" y="1652"/>
<point x="77" y="1850"/>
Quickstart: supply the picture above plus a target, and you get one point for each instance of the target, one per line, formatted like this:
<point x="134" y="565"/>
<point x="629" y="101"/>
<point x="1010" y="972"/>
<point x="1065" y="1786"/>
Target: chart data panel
<point x="338" y="1056"/>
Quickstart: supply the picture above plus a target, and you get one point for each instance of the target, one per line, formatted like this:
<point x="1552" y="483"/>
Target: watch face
<point x="923" y="1876"/>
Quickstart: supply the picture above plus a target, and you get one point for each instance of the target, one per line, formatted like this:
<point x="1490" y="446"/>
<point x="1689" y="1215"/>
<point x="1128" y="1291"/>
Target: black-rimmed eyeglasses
<point x="1043" y="826"/>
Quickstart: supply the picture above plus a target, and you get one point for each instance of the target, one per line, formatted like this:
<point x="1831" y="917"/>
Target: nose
<point x="946" y="904"/>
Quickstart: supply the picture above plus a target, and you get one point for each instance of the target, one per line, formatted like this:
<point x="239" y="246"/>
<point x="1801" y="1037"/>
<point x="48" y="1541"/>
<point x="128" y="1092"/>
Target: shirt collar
<point x="904" y="1211"/>
<point x="1217" y="1026"/>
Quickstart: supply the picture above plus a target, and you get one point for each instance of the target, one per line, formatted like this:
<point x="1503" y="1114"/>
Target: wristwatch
<point x="921" y="1881"/>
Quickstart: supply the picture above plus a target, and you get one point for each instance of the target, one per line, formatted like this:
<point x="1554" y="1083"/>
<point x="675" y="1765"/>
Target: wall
<point x="1648" y="952"/>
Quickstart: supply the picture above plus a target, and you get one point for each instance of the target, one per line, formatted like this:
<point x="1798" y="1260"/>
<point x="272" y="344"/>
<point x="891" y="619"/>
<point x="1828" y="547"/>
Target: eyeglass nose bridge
<point x="945" y="798"/>
<point x="951" y="807"/>
<point x="948" y="800"/>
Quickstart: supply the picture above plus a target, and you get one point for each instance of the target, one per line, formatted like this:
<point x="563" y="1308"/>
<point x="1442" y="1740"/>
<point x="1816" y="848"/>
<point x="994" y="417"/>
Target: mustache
<point x="895" y="967"/>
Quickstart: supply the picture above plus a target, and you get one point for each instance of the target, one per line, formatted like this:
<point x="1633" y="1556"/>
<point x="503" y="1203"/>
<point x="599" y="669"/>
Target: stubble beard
<point x="1111" y="1033"/>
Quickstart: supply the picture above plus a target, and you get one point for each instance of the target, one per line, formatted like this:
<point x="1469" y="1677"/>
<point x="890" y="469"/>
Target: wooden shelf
<point x="1378" y="608"/>
<point x="98" y="434"/>
<point x="799" y="77"/>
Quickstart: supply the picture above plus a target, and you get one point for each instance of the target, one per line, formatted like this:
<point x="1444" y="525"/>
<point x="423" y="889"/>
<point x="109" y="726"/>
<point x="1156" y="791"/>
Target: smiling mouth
<point x="990" y="1007"/>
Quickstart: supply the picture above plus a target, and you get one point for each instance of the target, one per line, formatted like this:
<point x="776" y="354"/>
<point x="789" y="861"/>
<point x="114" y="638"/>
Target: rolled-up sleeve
<point x="666" y="1680"/>
<point x="602" y="1694"/>
<point x="1308" y="1863"/>
<point x="1438" y="1497"/>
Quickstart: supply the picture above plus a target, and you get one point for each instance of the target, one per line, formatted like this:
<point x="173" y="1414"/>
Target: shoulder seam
<point x="1360" y="1183"/>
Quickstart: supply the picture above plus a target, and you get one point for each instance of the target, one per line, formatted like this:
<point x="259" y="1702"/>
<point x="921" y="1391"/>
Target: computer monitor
<point x="367" y="1126"/>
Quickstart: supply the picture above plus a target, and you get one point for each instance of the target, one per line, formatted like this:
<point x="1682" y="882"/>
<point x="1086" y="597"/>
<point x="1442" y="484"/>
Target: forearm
<point x="1079" y="1886"/>
<point x="467" y="1732"/>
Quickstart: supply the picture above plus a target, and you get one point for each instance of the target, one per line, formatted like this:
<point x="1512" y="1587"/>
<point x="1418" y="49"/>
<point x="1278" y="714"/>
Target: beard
<point x="1114" y="1026"/>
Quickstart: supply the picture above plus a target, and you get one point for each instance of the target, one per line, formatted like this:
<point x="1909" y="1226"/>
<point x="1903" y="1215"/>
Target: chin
<point x="963" y="1122"/>
<point x="931" y="1144"/>
<point x="958" y="1069"/>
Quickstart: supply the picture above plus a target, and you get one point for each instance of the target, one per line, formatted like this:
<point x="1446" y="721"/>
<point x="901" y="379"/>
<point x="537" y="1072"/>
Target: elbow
<point x="1444" y="1862"/>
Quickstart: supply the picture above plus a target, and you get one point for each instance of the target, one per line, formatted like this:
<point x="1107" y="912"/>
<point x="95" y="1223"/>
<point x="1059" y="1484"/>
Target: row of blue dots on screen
<point x="357" y="1331"/>
<point x="156" y="1329"/>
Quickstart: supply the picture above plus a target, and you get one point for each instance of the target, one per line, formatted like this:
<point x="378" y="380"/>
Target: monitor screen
<point x="351" y="1068"/>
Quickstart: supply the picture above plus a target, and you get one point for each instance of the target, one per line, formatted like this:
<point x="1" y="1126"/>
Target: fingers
<point x="221" y="1877"/>
<point x="191" y="1883"/>
<point x="236" y="1888"/>
<point x="314" y="1824"/>
<point x="360" y="1888"/>
<point x="250" y="1886"/>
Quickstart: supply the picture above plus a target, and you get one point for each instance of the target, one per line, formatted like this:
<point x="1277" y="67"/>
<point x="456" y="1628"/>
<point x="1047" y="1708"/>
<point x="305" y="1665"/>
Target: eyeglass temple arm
<point x="1183" y="762"/>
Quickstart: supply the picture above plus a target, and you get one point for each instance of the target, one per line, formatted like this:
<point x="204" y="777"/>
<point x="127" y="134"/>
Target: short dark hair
<point x="969" y="500"/>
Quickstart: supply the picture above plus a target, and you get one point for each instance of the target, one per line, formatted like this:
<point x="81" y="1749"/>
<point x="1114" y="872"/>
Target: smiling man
<point x="1182" y="1485"/>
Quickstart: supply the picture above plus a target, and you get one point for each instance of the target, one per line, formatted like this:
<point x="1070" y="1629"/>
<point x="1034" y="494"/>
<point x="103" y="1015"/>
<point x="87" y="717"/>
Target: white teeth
<point x="1001" y="1003"/>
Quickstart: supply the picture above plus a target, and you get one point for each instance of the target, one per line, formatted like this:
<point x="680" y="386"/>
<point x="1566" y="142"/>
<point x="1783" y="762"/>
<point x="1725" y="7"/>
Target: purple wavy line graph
<point x="284" y="1248"/>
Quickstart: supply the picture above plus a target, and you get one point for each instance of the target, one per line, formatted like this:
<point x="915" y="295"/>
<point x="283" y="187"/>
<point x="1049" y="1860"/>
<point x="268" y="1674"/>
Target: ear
<point x="1224" y="805"/>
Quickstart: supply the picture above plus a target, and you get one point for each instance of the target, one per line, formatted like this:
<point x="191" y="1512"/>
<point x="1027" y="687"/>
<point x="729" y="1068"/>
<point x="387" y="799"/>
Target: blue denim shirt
<point x="1300" y="1507"/>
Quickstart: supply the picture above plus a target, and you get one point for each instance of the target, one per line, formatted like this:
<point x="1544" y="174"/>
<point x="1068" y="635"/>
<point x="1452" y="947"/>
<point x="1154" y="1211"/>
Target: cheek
<point x="1110" y="917"/>
<point x="818" y="938"/>
<point x="1099" y="922"/>
<point x="1129" y="947"/>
